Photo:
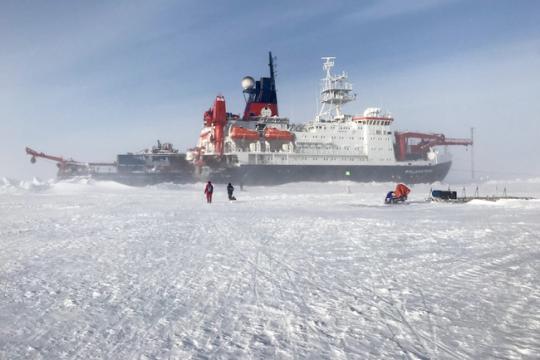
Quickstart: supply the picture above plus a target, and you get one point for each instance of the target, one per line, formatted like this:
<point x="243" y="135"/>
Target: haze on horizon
<point x="90" y="80"/>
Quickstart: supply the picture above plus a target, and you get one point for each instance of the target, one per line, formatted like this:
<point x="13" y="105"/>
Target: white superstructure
<point x="333" y="137"/>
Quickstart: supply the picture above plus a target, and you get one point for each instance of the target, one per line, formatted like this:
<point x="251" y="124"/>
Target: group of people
<point x="392" y="197"/>
<point x="209" y="191"/>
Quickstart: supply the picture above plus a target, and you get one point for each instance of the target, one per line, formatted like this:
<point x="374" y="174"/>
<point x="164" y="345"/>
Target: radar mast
<point x="335" y="92"/>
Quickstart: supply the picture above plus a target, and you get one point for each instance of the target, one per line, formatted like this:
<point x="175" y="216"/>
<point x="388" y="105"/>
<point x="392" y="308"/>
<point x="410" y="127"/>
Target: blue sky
<point x="90" y="79"/>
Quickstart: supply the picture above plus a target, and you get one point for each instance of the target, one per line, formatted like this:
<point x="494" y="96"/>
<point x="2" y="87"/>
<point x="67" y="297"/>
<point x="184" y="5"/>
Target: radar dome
<point x="372" y="112"/>
<point x="248" y="83"/>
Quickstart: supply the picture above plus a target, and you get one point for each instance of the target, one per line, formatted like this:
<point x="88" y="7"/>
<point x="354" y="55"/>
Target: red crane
<point x="426" y="141"/>
<point x="35" y="154"/>
<point x="66" y="167"/>
<point x="217" y="117"/>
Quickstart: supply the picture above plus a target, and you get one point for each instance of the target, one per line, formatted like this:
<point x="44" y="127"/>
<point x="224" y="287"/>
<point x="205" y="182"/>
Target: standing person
<point x="209" y="190"/>
<point x="230" y="190"/>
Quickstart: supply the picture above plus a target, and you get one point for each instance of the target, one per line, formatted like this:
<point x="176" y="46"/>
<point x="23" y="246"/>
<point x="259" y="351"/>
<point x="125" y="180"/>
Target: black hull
<point x="135" y="169"/>
<point x="281" y="174"/>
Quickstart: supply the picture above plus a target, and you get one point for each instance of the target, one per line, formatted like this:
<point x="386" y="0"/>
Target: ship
<point x="161" y="164"/>
<point x="260" y="147"/>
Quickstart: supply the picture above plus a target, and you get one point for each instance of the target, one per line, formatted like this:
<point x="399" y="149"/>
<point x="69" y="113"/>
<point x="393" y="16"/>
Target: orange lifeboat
<point x="271" y="133"/>
<point x="240" y="133"/>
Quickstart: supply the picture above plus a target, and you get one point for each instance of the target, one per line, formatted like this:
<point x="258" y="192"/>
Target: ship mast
<point x="335" y="92"/>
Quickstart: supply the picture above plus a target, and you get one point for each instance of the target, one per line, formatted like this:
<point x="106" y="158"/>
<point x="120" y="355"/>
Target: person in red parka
<point x="209" y="190"/>
<point x="401" y="192"/>
<point x="398" y="195"/>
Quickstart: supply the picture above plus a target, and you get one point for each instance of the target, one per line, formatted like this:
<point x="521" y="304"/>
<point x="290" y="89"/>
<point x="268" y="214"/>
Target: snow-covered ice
<point x="98" y="270"/>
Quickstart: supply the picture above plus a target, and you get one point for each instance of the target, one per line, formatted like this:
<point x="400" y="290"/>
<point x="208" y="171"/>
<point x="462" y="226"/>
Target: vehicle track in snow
<point x="283" y="275"/>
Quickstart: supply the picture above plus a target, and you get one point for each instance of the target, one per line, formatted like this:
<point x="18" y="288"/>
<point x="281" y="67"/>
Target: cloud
<point x="61" y="39"/>
<point x="383" y="9"/>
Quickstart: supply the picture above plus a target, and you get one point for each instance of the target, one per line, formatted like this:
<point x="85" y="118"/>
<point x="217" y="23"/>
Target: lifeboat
<point x="240" y="133"/>
<point x="276" y="134"/>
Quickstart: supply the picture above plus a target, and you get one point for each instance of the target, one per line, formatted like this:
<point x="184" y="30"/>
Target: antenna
<point x="328" y="64"/>
<point x="472" y="153"/>
<point x="271" y="64"/>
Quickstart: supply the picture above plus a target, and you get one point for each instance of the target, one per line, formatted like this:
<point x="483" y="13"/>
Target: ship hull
<point x="281" y="174"/>
<point x="136" y="169"/>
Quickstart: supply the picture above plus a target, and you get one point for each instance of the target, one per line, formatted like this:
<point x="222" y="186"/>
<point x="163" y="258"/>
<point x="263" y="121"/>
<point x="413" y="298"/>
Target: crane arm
<point x="464" y="142"/>
<point x="426" y="140"/>
<point x="35" y="154"/>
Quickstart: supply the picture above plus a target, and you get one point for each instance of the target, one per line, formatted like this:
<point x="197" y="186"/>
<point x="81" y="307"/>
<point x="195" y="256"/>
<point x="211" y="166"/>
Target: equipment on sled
<point x="442" y="195"/>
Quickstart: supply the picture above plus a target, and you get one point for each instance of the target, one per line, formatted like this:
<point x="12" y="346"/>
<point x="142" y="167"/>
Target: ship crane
<point x="66" y="167"/>
<point x="406" y="151"/>
<point x="216" y="117"/>
<point x="36" y="154"/>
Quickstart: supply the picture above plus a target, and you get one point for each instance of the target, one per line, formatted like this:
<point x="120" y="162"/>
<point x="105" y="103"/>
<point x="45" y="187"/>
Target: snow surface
<point x="98" y="270"/>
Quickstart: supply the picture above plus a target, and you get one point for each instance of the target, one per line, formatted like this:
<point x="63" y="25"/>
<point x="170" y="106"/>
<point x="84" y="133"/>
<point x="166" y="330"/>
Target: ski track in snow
<point x="104" y="271"/>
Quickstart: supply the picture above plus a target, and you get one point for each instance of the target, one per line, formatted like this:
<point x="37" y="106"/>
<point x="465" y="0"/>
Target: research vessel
<point x="260" y="147"/>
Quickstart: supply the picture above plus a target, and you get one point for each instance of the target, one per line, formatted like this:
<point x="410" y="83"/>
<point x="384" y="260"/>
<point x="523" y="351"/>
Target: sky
<point x="92" y="79"/>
